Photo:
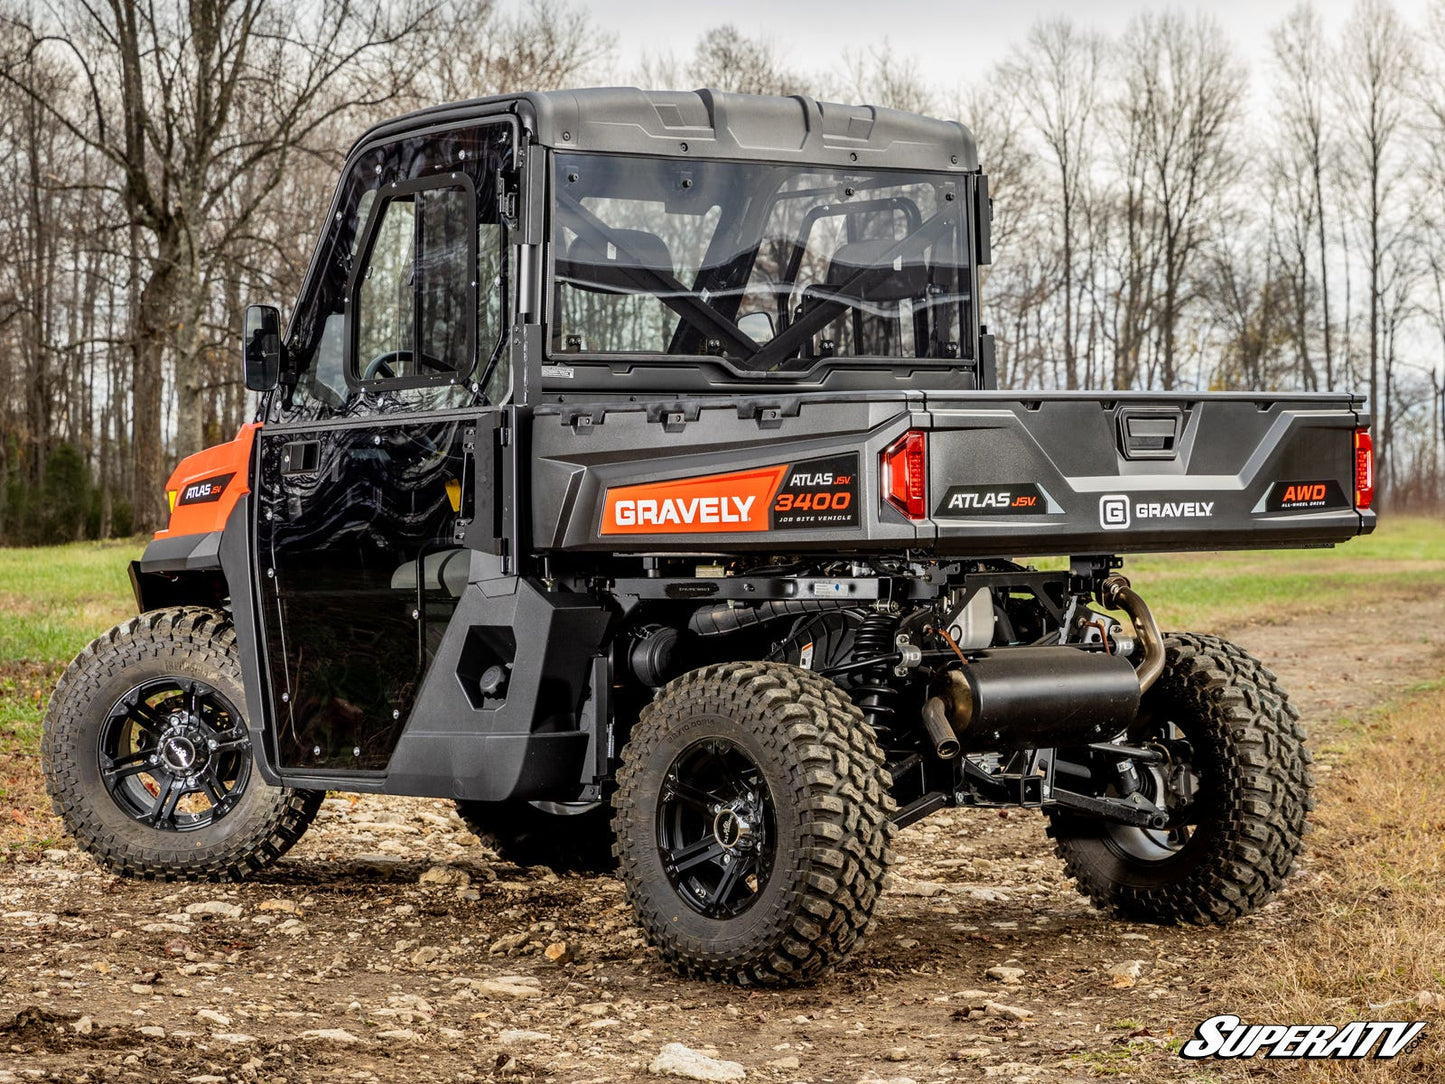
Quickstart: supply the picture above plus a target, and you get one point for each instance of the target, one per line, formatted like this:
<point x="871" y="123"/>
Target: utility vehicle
<point x="632" y="472"/>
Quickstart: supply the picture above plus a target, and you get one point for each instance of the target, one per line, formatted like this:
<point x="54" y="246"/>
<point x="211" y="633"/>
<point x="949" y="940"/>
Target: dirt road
<point x="391" y="946"/>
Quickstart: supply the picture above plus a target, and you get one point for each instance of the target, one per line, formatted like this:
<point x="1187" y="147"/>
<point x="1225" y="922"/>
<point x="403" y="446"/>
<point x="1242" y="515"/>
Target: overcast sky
<point x="950" y="40"/>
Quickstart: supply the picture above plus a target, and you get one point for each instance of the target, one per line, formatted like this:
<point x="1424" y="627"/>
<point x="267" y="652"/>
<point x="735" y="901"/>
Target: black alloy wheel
<point x="1236" y="784"/>
<point x="716" y="828"/>
<point x="149" y="761"/>
<point x="174" y="754"/>
<point x="752" y="823"/>
<point x="1173" y="786"/>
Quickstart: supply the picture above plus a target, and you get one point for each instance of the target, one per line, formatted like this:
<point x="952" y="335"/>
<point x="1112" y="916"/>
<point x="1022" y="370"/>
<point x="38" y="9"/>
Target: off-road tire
<point x="186" y="642"/>
<point x="528" y="835"/>
<point x="1248" y="739"/>
<point x="829" y="792"/>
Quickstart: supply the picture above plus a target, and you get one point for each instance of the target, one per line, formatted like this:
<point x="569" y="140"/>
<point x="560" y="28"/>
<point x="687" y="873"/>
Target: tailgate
<point x="1113" y="474"/>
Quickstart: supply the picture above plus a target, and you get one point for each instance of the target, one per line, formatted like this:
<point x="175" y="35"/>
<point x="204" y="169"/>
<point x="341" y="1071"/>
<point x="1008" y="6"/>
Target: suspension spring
<point x="872" y="688"/>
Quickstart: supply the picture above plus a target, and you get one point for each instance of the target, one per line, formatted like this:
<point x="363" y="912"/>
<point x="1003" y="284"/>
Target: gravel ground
<point x="392" y="946"/>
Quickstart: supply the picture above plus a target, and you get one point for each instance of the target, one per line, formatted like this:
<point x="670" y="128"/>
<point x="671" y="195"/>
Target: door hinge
<point x="508" y="185"/>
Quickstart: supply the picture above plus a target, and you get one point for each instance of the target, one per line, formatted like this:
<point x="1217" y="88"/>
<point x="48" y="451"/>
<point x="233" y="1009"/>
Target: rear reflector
<point x="905" y="474"/>
<point x="1364" y="469"/>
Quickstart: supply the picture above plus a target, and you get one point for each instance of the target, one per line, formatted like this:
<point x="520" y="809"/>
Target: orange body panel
<point x="208" y="484"/>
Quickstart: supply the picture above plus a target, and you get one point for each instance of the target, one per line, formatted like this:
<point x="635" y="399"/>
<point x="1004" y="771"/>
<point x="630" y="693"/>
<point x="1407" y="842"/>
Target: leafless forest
<point x="1164" y="217"/>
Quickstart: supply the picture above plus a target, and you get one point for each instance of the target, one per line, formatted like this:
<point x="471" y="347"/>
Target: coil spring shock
<point x="872" y="690"/>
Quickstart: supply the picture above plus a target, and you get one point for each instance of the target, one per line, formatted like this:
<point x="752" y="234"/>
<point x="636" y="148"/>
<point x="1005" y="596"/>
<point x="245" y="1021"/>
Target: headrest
<point x="883" y="279"/>
<point x="608" y="265"/>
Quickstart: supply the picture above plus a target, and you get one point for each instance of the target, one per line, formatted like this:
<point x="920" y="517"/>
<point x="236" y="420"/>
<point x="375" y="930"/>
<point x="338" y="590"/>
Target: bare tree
<point x="880" y="76"/>
<point x="1431" y="219"/>
<point x="180" y="104"/>
<point x="1015" y="287"/>
<point x="1376" y="64"/>
<point x="543" y="45"/>
<point x="727" y="59"/>
<point x="1293" y="218"/>
<point x="1056" y="75"/>
<point x="1182" y="101"/>
<point x="1305" y="148"/>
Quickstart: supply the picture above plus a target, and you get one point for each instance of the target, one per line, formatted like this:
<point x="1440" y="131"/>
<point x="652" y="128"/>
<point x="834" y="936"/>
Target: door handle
<point x="301" y="457"/>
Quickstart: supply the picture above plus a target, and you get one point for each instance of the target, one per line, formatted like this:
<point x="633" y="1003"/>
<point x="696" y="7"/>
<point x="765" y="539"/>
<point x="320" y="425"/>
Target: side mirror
<point x="757" y="326"/>
<point x="261" y="347"/>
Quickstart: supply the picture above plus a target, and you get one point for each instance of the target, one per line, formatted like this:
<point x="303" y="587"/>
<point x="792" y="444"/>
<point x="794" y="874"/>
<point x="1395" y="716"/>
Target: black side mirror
<point x="261" y="347"/>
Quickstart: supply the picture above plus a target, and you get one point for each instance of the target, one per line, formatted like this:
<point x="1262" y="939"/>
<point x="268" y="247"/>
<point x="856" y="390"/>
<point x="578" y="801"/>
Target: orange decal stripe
<point x="714" y="503"/>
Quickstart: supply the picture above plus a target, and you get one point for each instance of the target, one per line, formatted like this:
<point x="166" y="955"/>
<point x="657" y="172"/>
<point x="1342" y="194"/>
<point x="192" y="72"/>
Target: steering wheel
<point x="382" y="366"/>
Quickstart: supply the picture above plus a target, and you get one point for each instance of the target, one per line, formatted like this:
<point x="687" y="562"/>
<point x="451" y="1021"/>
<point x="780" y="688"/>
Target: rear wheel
<point x="148" y="760"/>
<point x="753" y="823"/>
<point x="1236" y="782"/>
<point x="563" y="835"/>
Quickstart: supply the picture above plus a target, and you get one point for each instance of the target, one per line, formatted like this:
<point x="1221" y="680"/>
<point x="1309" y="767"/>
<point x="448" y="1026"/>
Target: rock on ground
<point x="677" y="1060"/>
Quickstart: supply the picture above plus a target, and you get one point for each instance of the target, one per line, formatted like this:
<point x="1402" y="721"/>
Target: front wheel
<point x="752" y="822"/>
<point x="1236" y="781"/>
<point x="148" y="760"/>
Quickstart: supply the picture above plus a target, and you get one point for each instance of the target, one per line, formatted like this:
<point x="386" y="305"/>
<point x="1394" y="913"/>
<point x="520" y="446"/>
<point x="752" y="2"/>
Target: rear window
<point x="771" y="267"/>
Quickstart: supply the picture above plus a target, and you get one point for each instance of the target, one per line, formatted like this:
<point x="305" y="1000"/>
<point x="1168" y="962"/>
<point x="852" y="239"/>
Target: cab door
<point x="363" y="507"/>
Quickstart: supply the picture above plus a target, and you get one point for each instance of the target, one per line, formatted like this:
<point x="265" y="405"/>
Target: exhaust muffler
<point x="1036" y="697"/>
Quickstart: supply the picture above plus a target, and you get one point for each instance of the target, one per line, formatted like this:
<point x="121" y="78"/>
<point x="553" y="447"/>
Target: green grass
<point x="53" y="601"/>
<point x="1214" y="591"/>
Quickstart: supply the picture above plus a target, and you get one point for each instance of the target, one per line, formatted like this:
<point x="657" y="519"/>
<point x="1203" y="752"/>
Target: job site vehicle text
<point x="632" y="473"/>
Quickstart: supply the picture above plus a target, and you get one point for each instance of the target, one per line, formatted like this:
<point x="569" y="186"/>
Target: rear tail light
<point x="1364" y="469"/>
<point x="905" y="474"/>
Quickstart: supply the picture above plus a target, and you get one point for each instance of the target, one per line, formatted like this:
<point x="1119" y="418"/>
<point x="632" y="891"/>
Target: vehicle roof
<point x="714" y="124"/>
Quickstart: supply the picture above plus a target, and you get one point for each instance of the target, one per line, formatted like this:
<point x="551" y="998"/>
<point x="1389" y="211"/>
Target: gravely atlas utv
<point x="632" y="473"/>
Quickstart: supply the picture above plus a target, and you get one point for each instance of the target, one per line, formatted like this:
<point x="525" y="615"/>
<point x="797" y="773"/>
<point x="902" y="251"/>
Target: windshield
<point x="773" y="267"/>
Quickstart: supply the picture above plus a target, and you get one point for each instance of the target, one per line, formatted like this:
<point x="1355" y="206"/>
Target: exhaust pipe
<point x="1118" y="595"/>
<point x="946" y="745"/>
<point x="1035" y="697"/>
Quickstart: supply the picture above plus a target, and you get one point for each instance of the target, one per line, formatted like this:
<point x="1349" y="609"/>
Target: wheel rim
<point x="174" y="754"/>
<point x="1160" y="783"/>
<point x="716" y="828"/>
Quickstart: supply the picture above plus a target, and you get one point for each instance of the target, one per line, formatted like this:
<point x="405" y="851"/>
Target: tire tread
<point x="199" y="634"/>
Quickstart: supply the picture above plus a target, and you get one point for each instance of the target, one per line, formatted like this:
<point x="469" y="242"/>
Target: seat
<point x="445" y="570"/>
<point x="626" y="263"/>
<point x="880" y="285"/>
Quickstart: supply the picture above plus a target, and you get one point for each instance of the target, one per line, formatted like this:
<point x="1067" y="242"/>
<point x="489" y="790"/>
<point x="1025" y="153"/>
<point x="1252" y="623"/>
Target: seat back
<point x="860" y="271"/>
<point x="620" y="265"/>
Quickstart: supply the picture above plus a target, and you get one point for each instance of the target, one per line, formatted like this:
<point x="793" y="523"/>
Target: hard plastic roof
<point x="716" y="124"/>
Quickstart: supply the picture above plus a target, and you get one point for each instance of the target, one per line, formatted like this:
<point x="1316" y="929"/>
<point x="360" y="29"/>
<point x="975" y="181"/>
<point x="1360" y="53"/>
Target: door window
<point x="415" y="294"/>
<point x="415" y="178"/>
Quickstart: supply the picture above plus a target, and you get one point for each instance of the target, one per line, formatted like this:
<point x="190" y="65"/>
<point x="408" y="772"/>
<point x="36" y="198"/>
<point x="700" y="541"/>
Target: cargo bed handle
<point x="1150" y="432"/>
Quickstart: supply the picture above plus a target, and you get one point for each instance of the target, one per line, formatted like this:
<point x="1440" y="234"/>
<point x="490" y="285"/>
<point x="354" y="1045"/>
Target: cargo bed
<point x="1004" y="474"/>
